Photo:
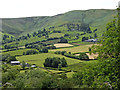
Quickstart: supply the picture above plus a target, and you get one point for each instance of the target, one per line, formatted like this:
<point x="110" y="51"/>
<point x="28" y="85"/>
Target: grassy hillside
<point x="95" y="18"/>
<point x="73" y="26"/>
<point x="17" y="52"/>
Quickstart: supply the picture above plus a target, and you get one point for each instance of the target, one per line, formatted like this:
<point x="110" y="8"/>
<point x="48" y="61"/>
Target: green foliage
<point x="11" y="74"/>
<point x="84" y="38"/>
<point x="109" y="56"/>
<point x="55" y="62"/>
<point x="95" y="35"/>
<point x="44" y="50"/>
<point x="23" y="65"/>
<point x="5" y="57"/>
<point x="11" y="58"/>
<point x="29" y="52"/>
<point x="33" y="79"/>
<point x="83" y="56"/>
<point x="109" y="42"/>
<point x="63" y="40"/>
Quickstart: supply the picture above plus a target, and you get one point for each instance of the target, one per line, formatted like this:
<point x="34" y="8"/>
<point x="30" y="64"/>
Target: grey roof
<point x="15" y="61"/>
<point x="89" y="40"/>
<point x="33" y="65"/>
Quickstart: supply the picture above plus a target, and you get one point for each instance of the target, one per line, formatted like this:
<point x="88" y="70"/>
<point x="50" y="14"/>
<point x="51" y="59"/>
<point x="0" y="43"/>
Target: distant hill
<point x="95" y="18"/>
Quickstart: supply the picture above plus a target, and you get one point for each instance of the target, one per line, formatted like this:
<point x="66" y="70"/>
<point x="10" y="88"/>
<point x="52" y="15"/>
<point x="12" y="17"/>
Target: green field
<point x="39" y="59"/>
<point x="56" y="35"/>
<point x="29" y="40"/>
<point x="17" y="52"/>
<point x="81" y="48"/>
<point x="81" y="65"/>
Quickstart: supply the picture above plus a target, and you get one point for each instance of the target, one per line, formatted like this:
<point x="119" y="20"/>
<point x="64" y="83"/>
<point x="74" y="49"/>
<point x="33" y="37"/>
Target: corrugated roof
<point x="15" y="61"/>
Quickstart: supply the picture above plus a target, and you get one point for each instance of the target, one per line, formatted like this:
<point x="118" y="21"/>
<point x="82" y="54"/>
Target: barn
<point x="15" y="62"/>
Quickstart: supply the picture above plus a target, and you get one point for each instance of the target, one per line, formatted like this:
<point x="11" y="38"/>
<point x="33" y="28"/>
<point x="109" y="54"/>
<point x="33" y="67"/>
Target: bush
<point x="44" y="50"/>
<point x="63" y="40"/>
<point x="29" y="52"/>
<point x="55" y="62"/>
<point x="83" y="56"/>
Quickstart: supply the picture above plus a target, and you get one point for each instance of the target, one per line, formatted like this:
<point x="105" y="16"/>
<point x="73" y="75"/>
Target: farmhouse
<point x="15" y="62"/>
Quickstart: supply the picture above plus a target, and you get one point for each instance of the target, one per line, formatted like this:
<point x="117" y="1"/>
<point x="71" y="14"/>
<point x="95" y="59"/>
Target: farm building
<point x="33" y="66"/>
<point x="15" y="62"/>
<point x="91" y="40"/>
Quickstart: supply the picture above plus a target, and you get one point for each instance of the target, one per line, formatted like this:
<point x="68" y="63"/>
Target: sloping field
<point x="39" y="59"/>
<point x="56" y="35"/>
<point x="58" y="45"/>
<point x="81" y="66"/>
<point x="17" y="52"/>
<point x="82" y="48"/>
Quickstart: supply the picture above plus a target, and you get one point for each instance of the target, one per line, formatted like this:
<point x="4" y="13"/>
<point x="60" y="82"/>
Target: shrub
<point x="63" y="40"/>
<point x="83" y="56"/>
<point x="29" y="52"/>
<point x="55" y="62"/>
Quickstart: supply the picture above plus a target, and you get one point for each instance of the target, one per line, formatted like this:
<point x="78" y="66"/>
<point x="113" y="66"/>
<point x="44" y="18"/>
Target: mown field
<point x="81" y="48"/>
<point x="39" y="59"/>
<point x="59" y="45"/>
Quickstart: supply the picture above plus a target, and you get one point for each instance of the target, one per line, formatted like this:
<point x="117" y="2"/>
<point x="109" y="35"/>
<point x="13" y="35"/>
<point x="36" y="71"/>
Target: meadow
<point x="76" y="49"/>
<point x="17" y="52"/>
<point x="59" y="45"/>
<point x="39" y="59"/>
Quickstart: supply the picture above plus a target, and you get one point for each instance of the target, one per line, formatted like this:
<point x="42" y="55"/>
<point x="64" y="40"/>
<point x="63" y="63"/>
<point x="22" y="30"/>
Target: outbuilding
<point x="15" y="62"/>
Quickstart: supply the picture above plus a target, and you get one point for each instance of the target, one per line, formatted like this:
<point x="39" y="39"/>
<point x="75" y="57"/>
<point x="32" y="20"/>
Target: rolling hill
<point x="95" y="18"/>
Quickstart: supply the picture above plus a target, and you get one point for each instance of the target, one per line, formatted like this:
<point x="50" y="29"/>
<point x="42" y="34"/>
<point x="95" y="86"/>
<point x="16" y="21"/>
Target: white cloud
<point x="27" y="8"/>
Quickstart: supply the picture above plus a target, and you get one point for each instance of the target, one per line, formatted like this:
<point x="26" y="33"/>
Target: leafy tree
<point x="84" y="38"/>
<point x="109" y="54"/>
<point x="63" y="40"/>
<point x="66" y="35"/>
<point x="29" y="52"/>
<point x="55" y="62"/>
<point x="91" y="37"/>
<point x="28" y="35"/>
<point x="63" y="52"/>
<point x="109" y="42"/>
<point x="95" y="35"/>
<point x="63" y="62"/>
<point x="23" y="65"/>
<point x="44" y="50"/>
<point x="7" y="46"/>
<point x="83" y="56"/>
<point x="5" y="57"/>
<point x="59" y="67"/>
<point x="11" y="58"/>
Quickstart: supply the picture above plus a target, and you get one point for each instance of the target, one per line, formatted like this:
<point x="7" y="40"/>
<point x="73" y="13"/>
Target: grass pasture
<point x="59" y="45"/>
<point x="17" y="52"/>
<point x="56" y="35"/>
<point x="39" y="59"/>
<point x="81" y="65"/>
<point x="81" y="48"/>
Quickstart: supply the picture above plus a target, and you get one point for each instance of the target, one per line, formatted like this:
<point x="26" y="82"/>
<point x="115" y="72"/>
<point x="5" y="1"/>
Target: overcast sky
<point x="28" y="8"/>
